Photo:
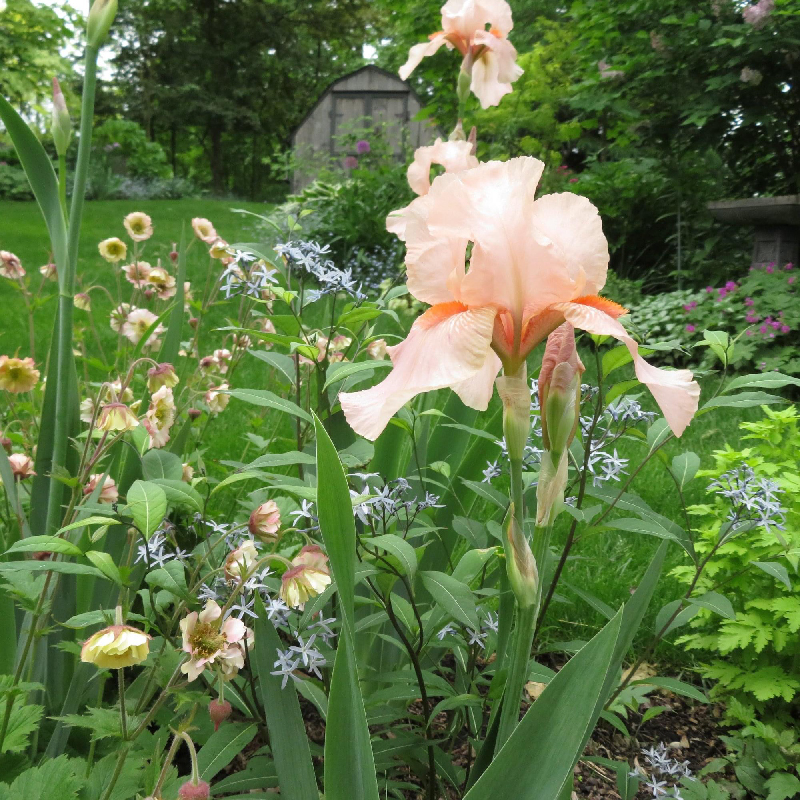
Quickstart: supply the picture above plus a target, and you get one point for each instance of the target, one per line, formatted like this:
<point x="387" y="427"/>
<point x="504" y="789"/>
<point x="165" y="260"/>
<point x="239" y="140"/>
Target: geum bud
<point x="559" y="400"/>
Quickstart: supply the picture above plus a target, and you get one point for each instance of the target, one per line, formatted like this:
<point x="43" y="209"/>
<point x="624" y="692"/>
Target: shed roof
<point x="403" y="87"/>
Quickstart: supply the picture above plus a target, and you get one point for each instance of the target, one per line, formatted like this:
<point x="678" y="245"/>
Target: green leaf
<point x="89" y="618"/>
<point x="716" y="602"/>
<point x="284" y="364"/>
<point x="684" y="467"/>
<point x="399" y="548"/>
<point x="595" y="602"/>
<point x="340" y="371"/>
<point x="761" y="380"/>
<point x="223" y="746"/>
<point x="537" y="760"/>
<point x="87" y="522"/>
<point x="782" y="785"/>
<point x="42" y="178"/>
<point x="158" y="463"/>
<point x="615" y="721"/>
<point x="654" y="527"/>
<point x="675" y="686"/>
<point x="64" y="567"/>
<point x="267" y="399"/>
<point x="281" y="460"/>
<point x="681" y="619"/>
<point x="720" y="343"/>
<point x="287" y="731"/>
<point x="105" y="564"/>
<point x="349" y="762"/>
<point x="39" y="783"/>
<point x="180" y="493"/>
<point x="236" y="478"/>
<point x="616" y="358"/>
<point x="658" y="433"/>
<point x="453" y="596"/>
<point x="741" y="400"/>
<point x="51" y="544"/>
<point x="776" y="570"/>
<point x="147" y="504"/>
<point x="170" y="577"/>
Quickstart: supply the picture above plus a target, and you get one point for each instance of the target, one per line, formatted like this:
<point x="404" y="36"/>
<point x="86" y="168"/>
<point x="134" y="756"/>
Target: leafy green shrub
<point x="753" y="647"/>
<point x="123" y="145"/>
<point x="13" y="183"/>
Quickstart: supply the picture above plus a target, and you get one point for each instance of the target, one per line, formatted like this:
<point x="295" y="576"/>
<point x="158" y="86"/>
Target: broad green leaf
<point x="105" y="564"/>
<point x="147" y="504"/>
<point x="684" y="467"/>
<point x="223" y="746"/>
<point x="741" y="400"/>
<point x="281" y="460"/>
<point x="89" y="522"/>
<point x="64" y="567"/>
<point x="776" y="570"/>
<point x="48" y="544"/>
<point x="170" y="577"/>
<point x="236" y="478"/>
<point x="338" y="372"/>
<point x="180" y="493"/>
<point x="681" y="618"/>
<point x="716" y="602"/>
<point x="655" y="527"/>
<point x="267" y="399"/>
<point x="487" y="492"/>
<point x="720" y="343"/>
<point x="284" y="364"/>
<point x="349" y="763"/>
<point x="287" y="730"/>
<point x="675" y="686"/>
<point x="761" y="380"/>
<point x="458" y="701"/>
<point x="658" y="433"/>
<point x="89" y="618"/>
<point x="158" y="463"/>
<point x="616" y="358"/>
<point x="595" y="602"/>
<point x="399" y="548"/>
<point x="537" y="760"/>
<point x="453" y="596"/>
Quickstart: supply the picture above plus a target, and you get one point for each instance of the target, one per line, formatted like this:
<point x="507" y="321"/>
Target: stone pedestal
<point x="776" y="221"/>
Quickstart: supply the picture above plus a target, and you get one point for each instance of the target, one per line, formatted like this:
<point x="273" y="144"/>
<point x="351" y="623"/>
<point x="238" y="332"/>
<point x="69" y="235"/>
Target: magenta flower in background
<point x="709" y="289"/>
<point x="731" y="286"/>
<point x="752" y="318"/>
<point x="690" y="306"/>
<point x="789" y="266"/>
<point x="350" y="162"/>
<point x="763" y="328"/>
<point x="790" y="280"/>
<point x="748" y="301"/>
<point x="362" y="146"/>
<point x="690" y="329"/>
<point x="775" y="324"/>
<point x="573" y="180"/>
<point x="770" y="269"/>
<point x="722" y="292"/>
<point x="749" y="332"/>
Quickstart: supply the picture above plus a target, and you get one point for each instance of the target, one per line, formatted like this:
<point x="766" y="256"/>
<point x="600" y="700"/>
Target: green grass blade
<point x="537" y="760"/>
<point x="349" y="762"/>
<point x="287" y="731"/>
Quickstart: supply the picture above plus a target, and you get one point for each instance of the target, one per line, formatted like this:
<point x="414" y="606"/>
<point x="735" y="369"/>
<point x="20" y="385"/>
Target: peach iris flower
<point x="488" y="55"/>
<point x="534" y="264"/>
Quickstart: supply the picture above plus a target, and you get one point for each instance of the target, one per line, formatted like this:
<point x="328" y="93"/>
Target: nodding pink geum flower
<point x="534" y="264"/>
<point x="489" y="58"/>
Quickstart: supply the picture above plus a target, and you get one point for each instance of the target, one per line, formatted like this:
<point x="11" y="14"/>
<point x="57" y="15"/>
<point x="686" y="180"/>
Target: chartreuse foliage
<point x="751" y="651"/>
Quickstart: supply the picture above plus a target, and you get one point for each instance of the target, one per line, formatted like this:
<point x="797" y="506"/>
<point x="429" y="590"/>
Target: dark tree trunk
<point x="216" y="161"/>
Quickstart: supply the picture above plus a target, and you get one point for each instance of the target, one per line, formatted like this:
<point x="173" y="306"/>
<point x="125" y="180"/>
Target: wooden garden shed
<point x="370" y="97"/>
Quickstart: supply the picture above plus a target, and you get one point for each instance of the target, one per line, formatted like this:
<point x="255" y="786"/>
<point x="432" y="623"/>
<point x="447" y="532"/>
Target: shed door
<point x="358" y="110"/>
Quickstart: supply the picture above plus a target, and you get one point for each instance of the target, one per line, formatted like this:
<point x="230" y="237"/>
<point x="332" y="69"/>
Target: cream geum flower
<point x="489" y="58"/>
<point x="116" y="647"/>
<point x="116" y="417"/>
<point x="162" y="283"/>
<point x="108" y="494"/>
<point x="206" y="640"/>
<point x="162" y="375"/>
<point x="10" y="266"/>
<point x="113" y="249"/>
<point x="136" y="325"/>
<point x="139" y="226"/>
<point x="204" y="230"/>
<point x="137" y="273"/>
<point x="18" y="375"/>
<point x="265" y="522"/>
<point x="240" y="561"/>
<point x="308" y="577"/>
<point x="534" y="264"/>
<point x="217" y="398"/>
<point x="160" y="416"/>
<point x="21" y="466"/>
